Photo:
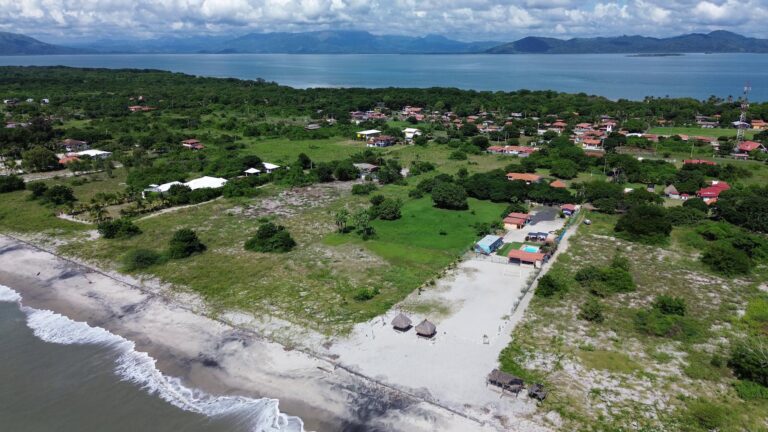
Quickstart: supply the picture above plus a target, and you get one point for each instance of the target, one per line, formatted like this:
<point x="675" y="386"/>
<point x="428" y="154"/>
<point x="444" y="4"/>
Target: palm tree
<point x="98" y="213"/>
<point x="342" y="216"/>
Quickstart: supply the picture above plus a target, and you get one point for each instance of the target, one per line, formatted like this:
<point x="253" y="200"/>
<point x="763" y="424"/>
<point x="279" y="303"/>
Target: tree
<point x="480" y="142"/>
<point x="645" y="223"/>
<point x="304" y="161"/>
<point x="342" y="218"/>
<point x="38" y="189"/>
<point x="270" y="238"/>
<point x="696" y="203"/>
<point x="363" y="227"/>
<point x="389" y="209"/>
<point x="564" y="169"/>
<point x="345" y="171"/>
<point x="59" y="195"/>
<point x="39" y="159"/>
<point x="184" y="243"/>
<point x="449" y="196"/>
<point x="11" y="183"/>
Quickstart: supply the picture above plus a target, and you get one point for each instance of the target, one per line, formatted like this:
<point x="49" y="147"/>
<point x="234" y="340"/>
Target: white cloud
<point x="463" y="19"/>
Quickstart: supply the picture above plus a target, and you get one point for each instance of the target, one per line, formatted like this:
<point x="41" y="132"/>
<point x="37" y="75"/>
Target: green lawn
<point x="283" y="151"/>
<point x="696" y="131"/>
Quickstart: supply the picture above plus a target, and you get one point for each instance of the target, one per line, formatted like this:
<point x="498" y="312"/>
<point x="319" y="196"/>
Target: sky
<point x="469" y="20"/>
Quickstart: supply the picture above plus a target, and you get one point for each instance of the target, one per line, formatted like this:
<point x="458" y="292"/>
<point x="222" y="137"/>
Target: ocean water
<point x="611" y="75"/>
<point x="65" y="376"/>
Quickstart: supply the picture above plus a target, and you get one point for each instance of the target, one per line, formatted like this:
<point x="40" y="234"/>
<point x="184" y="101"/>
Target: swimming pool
<point x="529" y="248"/>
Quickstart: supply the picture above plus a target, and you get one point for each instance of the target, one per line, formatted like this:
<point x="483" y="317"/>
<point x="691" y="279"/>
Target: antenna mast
<point x="743" y="117"/>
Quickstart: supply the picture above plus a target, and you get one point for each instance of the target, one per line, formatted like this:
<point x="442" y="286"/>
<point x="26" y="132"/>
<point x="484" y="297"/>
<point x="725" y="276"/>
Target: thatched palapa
<point x="537" y="391"/>
<point x="506" y="381"/>
<point x="401" y="322"/>
<point x="426" y="329"/>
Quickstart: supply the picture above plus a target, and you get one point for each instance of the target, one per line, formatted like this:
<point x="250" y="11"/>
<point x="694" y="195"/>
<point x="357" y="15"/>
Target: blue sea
<point x="615" y="76"/>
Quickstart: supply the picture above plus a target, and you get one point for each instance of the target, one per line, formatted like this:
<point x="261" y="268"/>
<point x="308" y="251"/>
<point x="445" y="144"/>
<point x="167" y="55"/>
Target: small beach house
<point x="489" y="244"/>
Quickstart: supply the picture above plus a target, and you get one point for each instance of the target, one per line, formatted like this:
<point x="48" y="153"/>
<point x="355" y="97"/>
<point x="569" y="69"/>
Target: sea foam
<point x="262" y="415"/>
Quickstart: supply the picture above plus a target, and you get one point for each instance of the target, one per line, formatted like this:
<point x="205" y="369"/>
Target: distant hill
<point x="18" y="44"/>
<point x="348" y="42"/>
<point x="714" y="42"/>
<point x="318" y="42"/>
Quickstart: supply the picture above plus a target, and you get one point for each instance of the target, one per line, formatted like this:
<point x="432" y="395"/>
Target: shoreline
<point x="214" y="356"/>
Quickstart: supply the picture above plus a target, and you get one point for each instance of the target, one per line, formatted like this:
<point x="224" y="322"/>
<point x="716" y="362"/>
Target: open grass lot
<point x="284" y="151"/>
<point x="696" y="131"/>
<point x="609" y="376"/>
<point x="315" y="284"/>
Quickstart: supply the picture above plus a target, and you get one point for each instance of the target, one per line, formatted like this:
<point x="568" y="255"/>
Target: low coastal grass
<point x="697" y="131"/>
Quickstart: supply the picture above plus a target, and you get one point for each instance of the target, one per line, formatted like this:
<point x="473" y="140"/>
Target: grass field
<point x="283" y="151"/>
<point x="696" y="131"/>
<point x="315" y="284"/>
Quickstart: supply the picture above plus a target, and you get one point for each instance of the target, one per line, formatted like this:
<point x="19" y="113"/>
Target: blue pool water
<point x="531" y="249"/>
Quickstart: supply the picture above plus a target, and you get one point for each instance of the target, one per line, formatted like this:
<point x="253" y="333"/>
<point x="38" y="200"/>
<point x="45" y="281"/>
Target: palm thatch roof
<point x="504" y="380"/>
<point x="671" y="190"/>
<point x="401" y="322"/>
<point x="426" y="329"/>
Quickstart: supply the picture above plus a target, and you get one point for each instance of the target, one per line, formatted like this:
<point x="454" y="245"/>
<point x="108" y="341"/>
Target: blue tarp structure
<point x="488" y="244"/>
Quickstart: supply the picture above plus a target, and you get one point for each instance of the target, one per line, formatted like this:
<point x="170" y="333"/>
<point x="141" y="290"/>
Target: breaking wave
<point x="262" y="415"/>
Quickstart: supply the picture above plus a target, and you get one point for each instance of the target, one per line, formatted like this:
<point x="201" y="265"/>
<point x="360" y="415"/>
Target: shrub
<point x="38" y="189"/>
<point x="656" y="323"/>
<point x="749" y="360"/>
<point x="59" y="195"/>
<point x="603" y="281"/>
<point x="697" y="204"/>
<point x="415" y="193"/>
<point x="592" y="310"/>
<point x="645" y="223"/>
<point x="549" y="286"/>
<point x="725" y="259"/>
<point x="449" y="196"/>
<point x="241" y="187"/>
<point x="749" y="390"/>
<point x="364" y="294"/>
<point x="363" y="189"/>
<point x="669" y="305"/>
<point x="706" y="415"/>
<point x="119" y="228"/>
<point x="377" y="199"/>
<point x="389" y="209"/>
<point x="140" y="259"/>
<point x="11" y="183"/>
<point x="184" y="243"/>
<point x="458" y="155"/>
<point x="685" y="215"/>
<point x="270" y="238"/>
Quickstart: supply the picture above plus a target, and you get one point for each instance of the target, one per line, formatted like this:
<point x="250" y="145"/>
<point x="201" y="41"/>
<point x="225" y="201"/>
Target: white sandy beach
<point x="373" y="379"/>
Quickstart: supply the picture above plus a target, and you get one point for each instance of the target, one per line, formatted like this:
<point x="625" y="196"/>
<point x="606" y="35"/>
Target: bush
<point x="184" y="243"/>
<point x="749" y="360"/>
<point x="38" y="189"/>
<point x="697" y="204"/>
<point x="241" y="187"/>
<point x="725" y="259"/>
<point x="270" y="238"/>
<point x="458" y="155"/>
<point x="592" y="310"/>
<point x="603" y="281"/>
<point x="669" y="305"/>
<point x="706" y="415"/>
<point x="364" y="294"/>
<point x="656" y="323"/>
<point x="377" y="199"/>
<point x="140" y="259"/>
<point x="415" y="193"/>
<point x="549" y="286"/>
<point x="449" y="196"/>
<point x="363" y="189"/>
<point x="119" y="228"/>
<point x="749" y="390"/>
<point x="388" y="209"/>
<point x="685" y="216"/>
<point x="11" y="183"/>
<point x="59" y="195"/>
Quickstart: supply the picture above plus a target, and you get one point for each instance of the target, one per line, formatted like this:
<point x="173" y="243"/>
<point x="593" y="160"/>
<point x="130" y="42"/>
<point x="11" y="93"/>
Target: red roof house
<point x="748" y="146"/>
<point x="559" y="184"/>
<point x="526" y="177"/>
<point x="698" y="162"/>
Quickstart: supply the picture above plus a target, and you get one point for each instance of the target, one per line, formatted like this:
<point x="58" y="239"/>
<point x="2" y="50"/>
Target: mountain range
<point x="361" y="42"/>
<point x="715" y="42"/>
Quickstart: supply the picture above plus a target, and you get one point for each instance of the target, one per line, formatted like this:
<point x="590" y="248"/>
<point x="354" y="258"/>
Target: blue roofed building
<point x="488" y="244"/>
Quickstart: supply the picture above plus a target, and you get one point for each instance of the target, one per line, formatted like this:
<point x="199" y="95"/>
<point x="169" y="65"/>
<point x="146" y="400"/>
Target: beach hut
<point x="671" y="192"/>
<point x="401" y="323"/>
<point x="537" y="392"/>
<point x="426" y="329"/>
<point x="505" y="381"/>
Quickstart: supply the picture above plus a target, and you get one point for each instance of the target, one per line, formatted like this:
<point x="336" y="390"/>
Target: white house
<point x="252" y="171"/>
<point x="269" y="168"/>
<point x="411" y="133"/>
<point x="95" y="154"/>
<point x="368" y="134"/>
<point x="198" y="183"/>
